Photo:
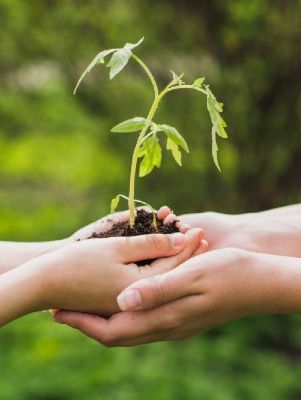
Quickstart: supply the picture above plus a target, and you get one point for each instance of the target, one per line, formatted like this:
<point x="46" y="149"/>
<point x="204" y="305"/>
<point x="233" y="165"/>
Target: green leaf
<point x="173" y="134"/>
<point x="215" y="108"/>
<point x="121" y="57"/>
<point x="118" y="61"/>
<point x="114" y="203"/>
<point x="215" y="149"/>
<point x="198" y="82"/>
<point x="132" y="46"/>
<point x="131" y="125"/>
<point x="98" y="59"/>
<point x="177" y="155"/>
<point x="152" y="155"/>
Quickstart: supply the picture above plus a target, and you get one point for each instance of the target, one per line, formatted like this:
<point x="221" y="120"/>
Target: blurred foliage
<point x="60" y="167"/>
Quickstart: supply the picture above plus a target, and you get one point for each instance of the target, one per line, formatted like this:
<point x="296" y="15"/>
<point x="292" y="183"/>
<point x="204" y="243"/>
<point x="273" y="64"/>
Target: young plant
<point x="148" y="146"/>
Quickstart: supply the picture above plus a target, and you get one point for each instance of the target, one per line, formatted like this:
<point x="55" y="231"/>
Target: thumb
<point x="151" y="292"/>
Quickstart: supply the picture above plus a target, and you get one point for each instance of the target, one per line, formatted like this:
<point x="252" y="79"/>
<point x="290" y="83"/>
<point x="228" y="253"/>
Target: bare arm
<point x="13" y="254"/>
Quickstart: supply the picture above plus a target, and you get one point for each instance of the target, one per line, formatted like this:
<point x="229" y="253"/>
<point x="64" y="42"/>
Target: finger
<point x="204" y="246"/>
<point x="169" y="219"/>
<point x="117" y="330"/>
<point x="135" y="248"/>
<point x="89" y="324"/>
<point x="193" y="238"/>
<point x="163" y="212"/>
<point x="123" y="329"/>
<point x="183" y="228"/>
<point x="166" y="322"/>
<point x="148" y="293"/>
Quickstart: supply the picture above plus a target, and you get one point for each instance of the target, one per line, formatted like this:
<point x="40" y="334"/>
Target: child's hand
<point x="87" y="276"/>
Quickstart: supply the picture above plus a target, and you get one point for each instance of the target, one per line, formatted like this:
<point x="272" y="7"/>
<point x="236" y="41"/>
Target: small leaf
<point x="177" y="155"/>
<point x="215" y="149"/>
<point x="114" y="203"/>
<point x="198" y="82"/>
<point x="176" y="79"/>
<point x="152" y="155"/>
<point x="98" y="59"/>
<point x="173" y="134"/>
<point x="118" y="61"/>
<point x="131" y="125"/>
<point x="121" y="57"/>
<point x="215" y="108"/>
<point x="132" y="46"/>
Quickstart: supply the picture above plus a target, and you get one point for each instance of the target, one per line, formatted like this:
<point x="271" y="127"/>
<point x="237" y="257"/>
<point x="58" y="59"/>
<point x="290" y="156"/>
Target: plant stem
<point x="135" y="159"/>
<point x="148" y="73"/>
<point x="153" y="109"/>
<point x="131" y="201"/>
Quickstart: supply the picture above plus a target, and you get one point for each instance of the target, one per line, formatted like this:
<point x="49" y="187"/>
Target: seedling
<point x="148" y="146"/>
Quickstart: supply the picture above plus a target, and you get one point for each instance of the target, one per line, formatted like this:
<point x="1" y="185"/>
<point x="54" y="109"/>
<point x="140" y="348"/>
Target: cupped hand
<point x="204" y="291"/>
<point x="88" y="275"/>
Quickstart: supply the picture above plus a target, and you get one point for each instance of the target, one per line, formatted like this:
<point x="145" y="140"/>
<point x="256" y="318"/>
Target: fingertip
<point x="60" y="317"/>
<point x="169" y="219"/>
<point x="204" y="245"/>
<point x="163" y="212"/>
<point x="196" y="233"/>
<point x="129" y="300"/>
<point x="203" y="248"/>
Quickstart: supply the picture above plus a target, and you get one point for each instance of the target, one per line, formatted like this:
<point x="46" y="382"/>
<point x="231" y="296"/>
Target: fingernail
<point x="177" y="239"/>
<point x="129" y="299"/>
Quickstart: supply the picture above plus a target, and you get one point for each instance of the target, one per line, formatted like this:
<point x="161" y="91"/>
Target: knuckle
<point x="162" y="288"/>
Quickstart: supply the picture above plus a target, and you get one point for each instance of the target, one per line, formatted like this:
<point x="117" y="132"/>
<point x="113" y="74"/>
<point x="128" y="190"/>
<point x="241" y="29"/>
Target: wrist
<point x="21" y="292"/>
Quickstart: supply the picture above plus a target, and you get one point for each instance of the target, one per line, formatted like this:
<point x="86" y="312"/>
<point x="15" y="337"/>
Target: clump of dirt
<point x="143" y="226"/>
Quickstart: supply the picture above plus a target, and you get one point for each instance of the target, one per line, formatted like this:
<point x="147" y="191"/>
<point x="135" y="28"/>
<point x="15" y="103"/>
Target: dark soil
<point x="143" y="226"/>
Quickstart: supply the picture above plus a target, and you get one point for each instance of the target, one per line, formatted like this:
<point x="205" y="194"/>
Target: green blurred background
<point x="59" y="168"/>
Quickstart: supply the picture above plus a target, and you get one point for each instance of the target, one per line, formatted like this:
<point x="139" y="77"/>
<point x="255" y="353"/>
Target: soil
<point x="143" y="226"/>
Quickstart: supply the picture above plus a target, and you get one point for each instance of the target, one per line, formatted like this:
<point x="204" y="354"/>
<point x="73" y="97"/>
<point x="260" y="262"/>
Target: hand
<point x="88" y="275"/>
<point x="275" y="231"/>
<point x="203" y="292"/>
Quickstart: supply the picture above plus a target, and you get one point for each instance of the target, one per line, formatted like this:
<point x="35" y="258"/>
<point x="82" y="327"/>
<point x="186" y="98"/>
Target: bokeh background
<point x="60" y="166"/>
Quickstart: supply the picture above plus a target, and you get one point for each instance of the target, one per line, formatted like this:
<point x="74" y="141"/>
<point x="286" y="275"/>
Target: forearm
<point x="280" y="284"/>
<point x="13" y="254"/>
<point x="22" y="291"/>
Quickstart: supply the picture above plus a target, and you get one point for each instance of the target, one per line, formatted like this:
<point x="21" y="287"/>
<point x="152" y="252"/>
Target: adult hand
<point x="203" y="292"/>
